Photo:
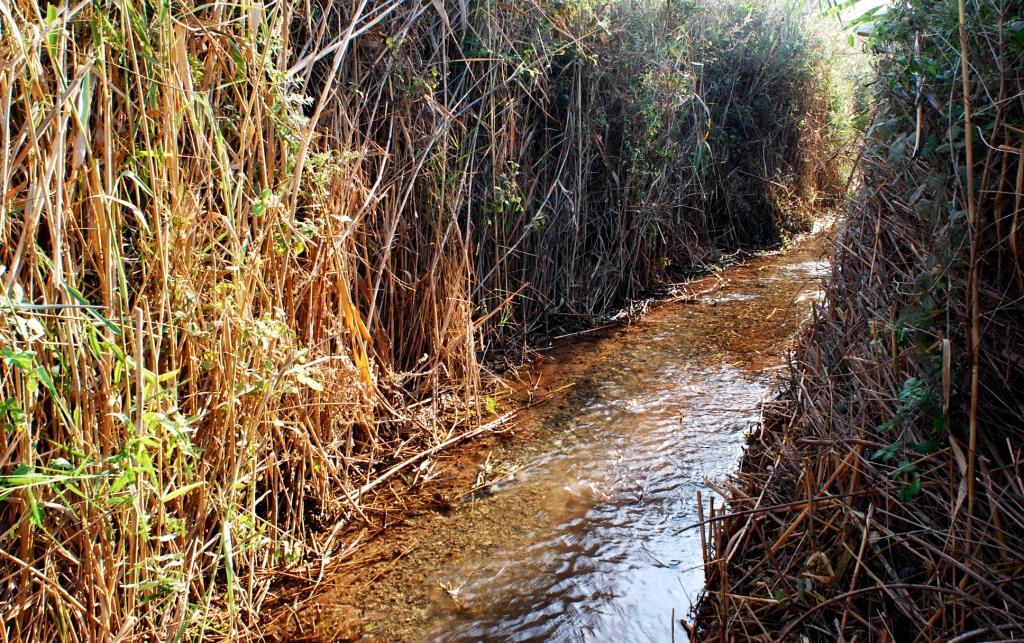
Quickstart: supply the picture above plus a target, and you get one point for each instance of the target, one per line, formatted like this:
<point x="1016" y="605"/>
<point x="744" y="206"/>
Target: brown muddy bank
<point x="578" y="523"/>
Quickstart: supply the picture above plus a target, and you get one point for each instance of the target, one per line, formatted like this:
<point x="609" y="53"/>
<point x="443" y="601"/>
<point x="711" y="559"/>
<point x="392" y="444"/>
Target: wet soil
<point x="579" y="522"/>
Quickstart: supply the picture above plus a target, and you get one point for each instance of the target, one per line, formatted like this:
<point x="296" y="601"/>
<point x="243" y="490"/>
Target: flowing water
<point x="593" y="537"/>
<point x="614" y="549"/>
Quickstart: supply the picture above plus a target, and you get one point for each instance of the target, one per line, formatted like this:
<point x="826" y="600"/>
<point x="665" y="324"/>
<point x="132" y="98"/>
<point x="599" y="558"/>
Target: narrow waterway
<point x="613" y="554"/>
<point x="587" y="534"/>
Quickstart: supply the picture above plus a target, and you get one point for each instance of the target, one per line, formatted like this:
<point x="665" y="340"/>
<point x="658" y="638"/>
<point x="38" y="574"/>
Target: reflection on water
<point x="612" y="550"/>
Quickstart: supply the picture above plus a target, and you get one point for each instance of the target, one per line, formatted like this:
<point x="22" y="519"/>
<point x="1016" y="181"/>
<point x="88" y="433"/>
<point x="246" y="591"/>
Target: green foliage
<point x="919" y="133"/>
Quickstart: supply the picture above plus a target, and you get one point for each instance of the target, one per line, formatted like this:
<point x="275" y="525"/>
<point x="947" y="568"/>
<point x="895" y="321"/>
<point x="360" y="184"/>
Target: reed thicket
<point x="883" y="499"/>
<point x="255" y="255"/>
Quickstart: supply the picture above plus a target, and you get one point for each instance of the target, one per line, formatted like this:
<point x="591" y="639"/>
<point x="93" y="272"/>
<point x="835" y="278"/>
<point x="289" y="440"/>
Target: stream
<point x="585" y="530"/>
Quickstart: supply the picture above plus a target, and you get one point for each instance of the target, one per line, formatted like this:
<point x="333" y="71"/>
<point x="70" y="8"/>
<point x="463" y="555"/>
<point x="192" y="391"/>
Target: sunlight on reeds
<point x="254" y="255"/>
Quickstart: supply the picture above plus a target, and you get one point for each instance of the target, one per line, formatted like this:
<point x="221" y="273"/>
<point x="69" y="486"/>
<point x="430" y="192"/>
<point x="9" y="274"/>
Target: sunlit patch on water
<point x="736" y="296"/>
<point x="809" y="297"/>
<point x="813" y="268"/>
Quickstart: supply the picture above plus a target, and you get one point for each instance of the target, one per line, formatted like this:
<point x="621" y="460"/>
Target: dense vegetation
<point x="253" y="256"/>
<point x="883" y="498"/>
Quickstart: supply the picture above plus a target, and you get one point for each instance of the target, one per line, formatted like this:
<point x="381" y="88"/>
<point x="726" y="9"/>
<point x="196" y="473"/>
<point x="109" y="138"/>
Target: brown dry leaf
<point x="439" y="5"/>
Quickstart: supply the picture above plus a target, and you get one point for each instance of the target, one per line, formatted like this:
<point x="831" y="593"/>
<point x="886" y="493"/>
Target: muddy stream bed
<point x="585" y="530"/>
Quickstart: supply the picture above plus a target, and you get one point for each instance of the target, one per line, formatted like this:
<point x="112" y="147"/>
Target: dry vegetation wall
<point x="253" y="255"/>
<point x="883" y="500"/>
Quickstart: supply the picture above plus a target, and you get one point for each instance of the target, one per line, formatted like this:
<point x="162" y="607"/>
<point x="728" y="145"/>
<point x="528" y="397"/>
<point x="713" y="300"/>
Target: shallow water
<point x="599" y="542"/>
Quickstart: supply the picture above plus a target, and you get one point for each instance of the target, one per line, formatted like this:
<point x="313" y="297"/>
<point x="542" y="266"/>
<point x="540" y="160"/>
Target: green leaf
<point x="836" y="8"/>
<point x="23" y="476"/>
<point x="905" y="468"/>
<point x="84" y="103"/>
<point x="885" y="427"/>
<point x="924" y="448"/>
<point x="94" y="344"/>
<point x="886" y="454"/>
<point x="908" y="492"/>
<point x="259" y="207"/>
<point x="47" y="381"/>
<point x="127" y="477"/>
<point x="181" y="491"/>
<point x="35" y="510"/>
<point x="91" y="309"/>
<point x="21" y="360"/>
<point x="53" y="35"/>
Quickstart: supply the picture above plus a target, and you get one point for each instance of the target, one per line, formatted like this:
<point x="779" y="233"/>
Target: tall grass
<point x="883" y="498"/>
<point x="254" y="256"/>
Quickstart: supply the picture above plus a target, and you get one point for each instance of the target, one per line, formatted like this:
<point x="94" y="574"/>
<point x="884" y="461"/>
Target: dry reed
<point x="254" y="255"/>
<point x="883" y="498"/>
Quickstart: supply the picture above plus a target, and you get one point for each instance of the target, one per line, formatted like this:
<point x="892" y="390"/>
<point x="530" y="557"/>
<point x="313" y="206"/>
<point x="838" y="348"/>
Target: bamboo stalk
<point x="974" y="339"/>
